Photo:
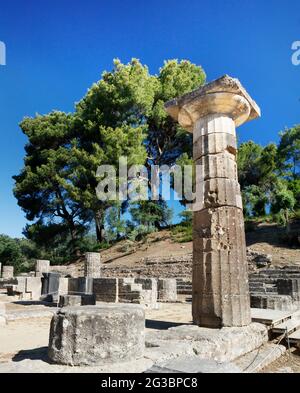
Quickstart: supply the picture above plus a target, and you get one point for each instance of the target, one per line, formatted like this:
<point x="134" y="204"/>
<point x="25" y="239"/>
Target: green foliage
<point x="116" y="226"/>
<point x="151" y="214"/>
<point x="20" y="253"/>
<point x="139" y="231"/>
<point x="254" y="201"/>
<point x="182" y="233"/>
<point x="187" y="217"/>
<point x="282" y="199"/>
<point x="289" y="152"/>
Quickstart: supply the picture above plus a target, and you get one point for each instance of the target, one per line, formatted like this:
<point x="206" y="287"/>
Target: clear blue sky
<point x="57" y="49"/>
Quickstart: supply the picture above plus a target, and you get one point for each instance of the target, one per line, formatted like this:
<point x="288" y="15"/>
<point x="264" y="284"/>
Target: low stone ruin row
<point x="269" y="288"/>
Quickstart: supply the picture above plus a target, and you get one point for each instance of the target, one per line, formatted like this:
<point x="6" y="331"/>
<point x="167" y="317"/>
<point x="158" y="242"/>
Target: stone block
<point x="211" y="166"/>
<point x="34" y="285"/>
<point x="7" y="272"/>
<point x="51" y="285"/>
<point x="69" y="300"/>
<point x="273" y="302"/>
<point x="217" y="192"/>
<point x="77" y="300"/>
<point x="289" y="287"/>
<point x="92" y="267"/>
<point x="214" y="144"/>
<point x="214" y="124"/>
<point x="42" y="266"/>
<point x="106" y="289"/>
<point x="95" y="335"/>
<point x="21" y="284"/>
<point x="167" y="290"/>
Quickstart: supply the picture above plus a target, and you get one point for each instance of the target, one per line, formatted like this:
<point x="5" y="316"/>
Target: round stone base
<point x="91" y="335"/>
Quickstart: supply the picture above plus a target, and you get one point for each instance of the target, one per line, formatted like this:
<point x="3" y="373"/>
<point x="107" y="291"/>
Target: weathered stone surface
<point x="69" y="300"/>
<point x="220" y="280"/>
<point x="272" y="301"/>
<point x="258" y="259"/>
<point x="217" y="192"/>
<point x="213" y="144"/>
<point x="80" y="285"/>
<point x="213" y="166"/>
<point x="34" y="287"/>
<point x="289" y="287"/>
<point x="94" y="335"/>
<point x="213" y="124"/>
<point x="7" y="272"/>
<point x="220" y="274"/>
<point x="192" y="364"/>
<point x="190" y="107"/>
<point x="221" y="345"/>
<point x="167" y="290"/>
<point x="126" y="290"/>
<point x="106" y="289"/>
<point x="92" y="266"/>
<point x="77" y="300"/>
<point x="42" y="266"/>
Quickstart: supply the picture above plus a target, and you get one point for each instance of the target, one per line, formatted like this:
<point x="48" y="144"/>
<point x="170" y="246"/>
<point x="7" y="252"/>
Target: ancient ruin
<point x="97" y="334"/>
<point x="220" y="276"/>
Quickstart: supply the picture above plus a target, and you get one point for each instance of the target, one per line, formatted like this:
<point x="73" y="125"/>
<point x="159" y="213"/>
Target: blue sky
<point x="57" y="49"/>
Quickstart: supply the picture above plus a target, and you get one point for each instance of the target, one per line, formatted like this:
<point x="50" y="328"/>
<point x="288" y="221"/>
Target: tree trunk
<point x="99" y="220"/>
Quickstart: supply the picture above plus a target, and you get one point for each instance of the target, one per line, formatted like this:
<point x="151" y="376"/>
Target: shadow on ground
<point x="32" y="354"/>
<point x="163" y="325"/>
<point x="34" y="303"/>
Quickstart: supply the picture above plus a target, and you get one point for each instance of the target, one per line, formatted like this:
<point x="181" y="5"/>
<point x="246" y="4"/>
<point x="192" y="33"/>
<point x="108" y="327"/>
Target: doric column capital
<point x="225" y="96"/>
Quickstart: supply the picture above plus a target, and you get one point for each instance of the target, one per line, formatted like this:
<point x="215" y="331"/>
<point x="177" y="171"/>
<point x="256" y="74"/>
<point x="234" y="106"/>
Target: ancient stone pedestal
<point x="7" y="272"/>
<point x="94" y="335"/>
<point x="220" y="275"/>
<point x="92" y="266"/>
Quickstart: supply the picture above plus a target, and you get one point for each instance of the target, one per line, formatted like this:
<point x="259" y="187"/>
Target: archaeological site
<point x="150" y="224"/>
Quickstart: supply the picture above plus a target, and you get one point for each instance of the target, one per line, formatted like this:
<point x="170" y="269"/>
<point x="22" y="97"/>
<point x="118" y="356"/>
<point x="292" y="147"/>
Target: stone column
<point x="92" y="267"/>
<point x="7" y="272"/>
<point x="220" y="273"/>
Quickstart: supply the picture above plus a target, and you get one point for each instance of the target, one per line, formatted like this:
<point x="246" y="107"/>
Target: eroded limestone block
<point x="106" y="289"/>
<point x="42" y="266"/>
<point x="213" y="124"/>
<point x="34" y="286"/>
<point x="94" y="335"/>
<point x="214" y="144"/>
<point x="216" y="165"/>
<point x="7" y="272"/>
<point x="216" y="193"/>
<point x="77" y="300"/>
